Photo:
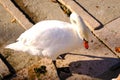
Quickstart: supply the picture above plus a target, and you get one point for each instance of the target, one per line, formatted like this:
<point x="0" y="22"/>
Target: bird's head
<point x="81" y="28"/>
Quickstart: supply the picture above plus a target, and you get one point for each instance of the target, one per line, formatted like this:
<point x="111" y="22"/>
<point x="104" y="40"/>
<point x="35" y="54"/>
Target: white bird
<point x="52" y="38"/>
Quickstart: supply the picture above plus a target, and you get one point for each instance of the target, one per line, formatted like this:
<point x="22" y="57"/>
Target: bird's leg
<point x="63" y="72"/>
<point x="62" y="56"/>
<point x="58" y="72"/>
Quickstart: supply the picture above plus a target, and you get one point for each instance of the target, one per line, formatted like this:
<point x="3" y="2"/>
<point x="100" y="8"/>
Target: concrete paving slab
<point x="110" y="35"/>
<point x="9" y="32"/>
<point x="81" y="77"/>
<point x="92" y="62"/>
<point x="21" y="75"/>
<point x="103" y="10"/>
<point x="108" y="75"/>
<point x="8" y="29"/>
<point x="85" y="62"/>
<point x="15" y="12"/>
<point x="3" y="69"/>
<point x="30" y="74"/>
<point x="19" y="60"/>
<point x="42" y="10"/>
<point x="73" y="6"/>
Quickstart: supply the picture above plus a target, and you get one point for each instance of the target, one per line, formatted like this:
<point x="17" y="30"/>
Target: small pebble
<point x="97" y="6"/>
<point x="13" y="20"/>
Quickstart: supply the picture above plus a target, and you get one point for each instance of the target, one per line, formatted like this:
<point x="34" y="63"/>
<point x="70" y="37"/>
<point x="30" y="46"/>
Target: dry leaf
<point x="117" y="49"/>
<point x="13" y="20"/>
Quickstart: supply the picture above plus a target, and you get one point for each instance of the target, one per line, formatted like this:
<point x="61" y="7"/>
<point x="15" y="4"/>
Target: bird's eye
<point x="74" y="21"/>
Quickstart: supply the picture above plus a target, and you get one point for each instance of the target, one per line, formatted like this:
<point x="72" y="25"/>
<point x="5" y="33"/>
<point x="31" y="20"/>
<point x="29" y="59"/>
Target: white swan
<point x="51" y="38"/>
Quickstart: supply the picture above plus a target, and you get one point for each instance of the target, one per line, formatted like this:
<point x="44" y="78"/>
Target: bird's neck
<point x="82" y="29"/>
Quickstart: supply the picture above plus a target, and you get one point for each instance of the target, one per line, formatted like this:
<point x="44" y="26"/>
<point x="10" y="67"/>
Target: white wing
<point x="48" y="33"/>
<point x="54" y="37"/>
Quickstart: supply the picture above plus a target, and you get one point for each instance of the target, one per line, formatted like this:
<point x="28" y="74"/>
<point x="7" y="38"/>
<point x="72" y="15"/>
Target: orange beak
<point x="86" y="44"/>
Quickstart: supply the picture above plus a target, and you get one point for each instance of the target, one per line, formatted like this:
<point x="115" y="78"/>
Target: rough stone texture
<point x="42" y="10"/>
<point x="110" y="34"/>
<point x="104" y="10"/>
<point x="29" y="73"/>
<point x="3" y="69"/>
<point x="73" y="6"/>
<point x="92" y="62"/>
<point x="111" y="73"/>
<point x="9" y="31"/>
<point x="16" y="13"/>
<point x="19" y="60"/>
<point x="81" y="77"/>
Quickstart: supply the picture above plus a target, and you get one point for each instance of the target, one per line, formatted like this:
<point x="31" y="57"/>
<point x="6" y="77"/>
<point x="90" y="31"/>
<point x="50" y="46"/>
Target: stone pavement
<point x="100" y="61"/>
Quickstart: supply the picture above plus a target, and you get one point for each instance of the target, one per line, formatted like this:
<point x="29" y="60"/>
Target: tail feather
<point x="16" y="46"/>
<point x="21" y="47"/>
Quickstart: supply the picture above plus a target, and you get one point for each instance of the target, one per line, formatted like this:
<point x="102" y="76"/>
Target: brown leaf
<point x="117" y="49"/>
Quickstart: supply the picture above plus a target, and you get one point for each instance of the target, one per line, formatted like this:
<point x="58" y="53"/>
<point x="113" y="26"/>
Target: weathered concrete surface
<point x="73" y="6"/>
<point x="19" y="60"/>
<point x="8" y="30"/>
<point x="3" y="69"/>
<point x="85" y="62"/>
<point x="110" y="35"/>
<point x="30" y="74"/>
<point x="16" y="13"/>
<point x="103" y="10"/>
<point x="88" y="62"/>
<point x="92" y="63"/>
<point x="42" y="10"/>
<point x="81" y="77"/>
<point x="111" y="73"/>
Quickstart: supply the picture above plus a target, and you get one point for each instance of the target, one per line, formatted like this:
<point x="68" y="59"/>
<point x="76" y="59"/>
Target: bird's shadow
<point x="97" y="67"/>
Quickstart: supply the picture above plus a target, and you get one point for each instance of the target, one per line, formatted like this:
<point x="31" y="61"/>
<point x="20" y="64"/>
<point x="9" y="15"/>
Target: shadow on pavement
<point x="102" y="68"/>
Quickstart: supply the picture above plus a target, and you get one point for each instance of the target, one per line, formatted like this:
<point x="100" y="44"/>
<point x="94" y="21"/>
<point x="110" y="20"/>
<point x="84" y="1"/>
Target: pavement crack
<point x="10" y="68"/>
<point x="88" y="12"/>
<point x="105" y="44"/>
<point x="26" y="15"/>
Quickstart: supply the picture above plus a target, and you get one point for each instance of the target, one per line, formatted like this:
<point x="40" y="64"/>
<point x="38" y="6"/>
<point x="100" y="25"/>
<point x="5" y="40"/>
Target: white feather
<point x="51" y="37"/>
